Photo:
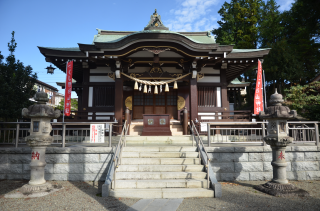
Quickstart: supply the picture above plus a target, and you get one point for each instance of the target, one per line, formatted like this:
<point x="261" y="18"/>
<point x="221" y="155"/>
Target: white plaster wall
<point x="101" y="70"/>
<point x="100" y="78"/>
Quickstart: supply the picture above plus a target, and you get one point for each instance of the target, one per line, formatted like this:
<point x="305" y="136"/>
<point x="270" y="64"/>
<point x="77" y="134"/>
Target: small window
<point x="36" y="126"/>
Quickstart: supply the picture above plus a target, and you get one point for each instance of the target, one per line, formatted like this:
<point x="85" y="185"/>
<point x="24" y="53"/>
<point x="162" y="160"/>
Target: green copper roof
<point x="248" y="50"/>
<point x="65" y="49"/>
<point x="236" y="81"/>
<point x="202" y="39"/>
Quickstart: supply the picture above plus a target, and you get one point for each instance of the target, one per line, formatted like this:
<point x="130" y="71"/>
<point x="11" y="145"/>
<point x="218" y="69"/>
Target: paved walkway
<point x="156" y="205"/>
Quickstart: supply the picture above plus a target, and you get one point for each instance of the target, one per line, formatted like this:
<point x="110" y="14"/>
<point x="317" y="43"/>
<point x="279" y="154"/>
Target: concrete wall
<point x="72" y="163"/>
<point x="229" y="163"/>
<point x="254" y="163"/>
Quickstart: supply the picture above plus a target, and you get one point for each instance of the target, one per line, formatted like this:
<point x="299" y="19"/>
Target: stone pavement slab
<point x="156" y="205"/>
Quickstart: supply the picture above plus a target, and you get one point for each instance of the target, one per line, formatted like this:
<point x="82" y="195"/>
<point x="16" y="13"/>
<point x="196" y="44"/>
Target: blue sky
<point x="65" y="23"/>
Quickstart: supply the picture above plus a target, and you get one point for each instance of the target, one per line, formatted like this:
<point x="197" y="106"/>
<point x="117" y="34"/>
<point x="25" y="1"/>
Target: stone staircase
<point x="137" y="126"/>
<point x="160" y="172"/>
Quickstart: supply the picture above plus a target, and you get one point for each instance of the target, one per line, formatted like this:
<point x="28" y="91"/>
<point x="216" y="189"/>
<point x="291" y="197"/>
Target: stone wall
<point x="229" y="163"/>
<point x="72" y="163"/>
<point x="254" y="163"/>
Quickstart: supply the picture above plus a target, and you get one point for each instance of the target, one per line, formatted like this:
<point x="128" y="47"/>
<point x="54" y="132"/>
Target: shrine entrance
<point x="150" y="103"/>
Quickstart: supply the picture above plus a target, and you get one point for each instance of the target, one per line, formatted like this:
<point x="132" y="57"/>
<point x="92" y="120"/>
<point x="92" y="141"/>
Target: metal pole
<point x="209" y="138"/>
<point x="264" y="91"/>
<point x="114" y="174"/>
<point x="17" y="134"/>
<point x="317" y="133"/>
<point x="263" y="134"/>
<point x="110" y="134"/>
<point x="185" y="121"/>
<point x="63" y="134"/>
<point x="192" y="139"/>
<point x="208" y="184"/>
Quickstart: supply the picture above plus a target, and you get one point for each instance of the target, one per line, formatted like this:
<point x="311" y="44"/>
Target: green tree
<point x="302" y="30"/>
<point x="74" y="105"/>
<point x="16" y="85"/>
<point x="238" y="24"/>
<point x="305" y="99"/>
<point x="226" y="34"/>
<point x="270" y="25"/>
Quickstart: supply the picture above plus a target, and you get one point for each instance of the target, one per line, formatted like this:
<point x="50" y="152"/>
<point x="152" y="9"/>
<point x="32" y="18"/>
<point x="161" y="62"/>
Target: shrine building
<point x="155" y="71"/>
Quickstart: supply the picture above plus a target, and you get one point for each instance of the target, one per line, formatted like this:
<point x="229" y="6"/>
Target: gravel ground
<point x="241" y="196"/>
<point x="75" y="195"/>
<point x="236" y="196"/>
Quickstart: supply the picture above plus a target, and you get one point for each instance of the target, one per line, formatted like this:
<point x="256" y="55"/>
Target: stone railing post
<point x="185" y="121"/>
<point x="128" y="118"/>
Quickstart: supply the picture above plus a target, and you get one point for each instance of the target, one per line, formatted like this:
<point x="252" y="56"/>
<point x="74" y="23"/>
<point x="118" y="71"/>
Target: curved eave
<point x="249" y="54"/>
<point x="238" y="85"/>
<point x="61" y="53"/>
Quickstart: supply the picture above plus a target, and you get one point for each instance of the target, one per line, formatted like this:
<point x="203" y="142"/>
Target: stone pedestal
<point x="278" y="140"/>
<point x="39" y="139"/>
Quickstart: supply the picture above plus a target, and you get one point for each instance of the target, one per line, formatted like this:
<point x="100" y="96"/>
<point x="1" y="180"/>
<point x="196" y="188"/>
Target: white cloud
<point x="285" y="4"/>
<point x="193" y="15"/>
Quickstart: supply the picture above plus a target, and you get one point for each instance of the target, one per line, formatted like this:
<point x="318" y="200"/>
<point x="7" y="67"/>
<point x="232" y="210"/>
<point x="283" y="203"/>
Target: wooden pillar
<point x="118" y="104"/>
<point x="234" y="98"/>
<point x="239" y="96"/>
<point x="85" y="95"/>
<point x="224" y="89"/>
<point x="193" y="99"/>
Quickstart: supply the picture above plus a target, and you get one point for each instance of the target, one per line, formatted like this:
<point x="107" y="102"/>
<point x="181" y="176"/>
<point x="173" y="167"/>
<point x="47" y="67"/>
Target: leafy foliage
<point x="305" y="99"/>
<point x="17" y="82"/>
<point x="238" y="24"/>
<point x="74" y="105"/>
<point x="293" y="36"/>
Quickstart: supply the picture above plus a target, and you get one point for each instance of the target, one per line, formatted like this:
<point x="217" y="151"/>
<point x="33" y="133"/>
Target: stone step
<point x="160" y="168"/>
<point x="162" y="193"/>
<point x="160" y="149"/>
<point x="159" y="161"/>
<point x="160" y="154"/>
<point x="158" y="138"/>
<point x="177" y="183"/>
<point x="158" y="144"/>
<point x="139" y="129"/>
<point x="159" y="175"/>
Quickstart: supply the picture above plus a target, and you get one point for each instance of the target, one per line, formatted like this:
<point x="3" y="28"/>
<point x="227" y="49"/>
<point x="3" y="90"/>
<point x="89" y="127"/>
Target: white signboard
<point x="96" y="133"/>
<point x="203" y="126"/>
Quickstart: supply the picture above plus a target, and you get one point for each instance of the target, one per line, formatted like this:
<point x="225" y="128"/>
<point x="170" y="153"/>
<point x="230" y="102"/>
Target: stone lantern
<point x="277" y="116"/>
<point x="39" y="139"/>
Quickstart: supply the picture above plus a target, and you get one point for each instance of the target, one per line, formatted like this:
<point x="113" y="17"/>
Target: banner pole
<point x="265" y="91"/>
<point x="64" y="104"/>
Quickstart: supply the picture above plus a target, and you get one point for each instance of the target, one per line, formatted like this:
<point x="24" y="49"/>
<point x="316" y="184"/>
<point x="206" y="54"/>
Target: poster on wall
<point x="96" y="133"/>
<point x="204" y="127"/>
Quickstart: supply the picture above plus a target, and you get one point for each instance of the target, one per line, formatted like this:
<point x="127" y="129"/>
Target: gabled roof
<point x="47" y="85"/>
<point x="106" y="36"/>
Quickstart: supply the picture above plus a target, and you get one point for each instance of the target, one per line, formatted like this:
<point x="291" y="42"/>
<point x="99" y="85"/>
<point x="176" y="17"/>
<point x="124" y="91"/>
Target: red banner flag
<point x="258" y="100"/>
<point x="68" y="89"/>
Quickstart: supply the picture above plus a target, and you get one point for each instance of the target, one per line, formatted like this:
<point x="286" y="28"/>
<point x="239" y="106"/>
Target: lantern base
<point x="33" y="191"/>
<point x="276" y="189"/>
<point x="28" y="189"/>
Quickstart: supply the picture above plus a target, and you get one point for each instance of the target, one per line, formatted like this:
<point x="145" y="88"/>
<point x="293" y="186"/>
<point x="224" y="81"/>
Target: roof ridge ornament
<point x="155" y="22"/>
